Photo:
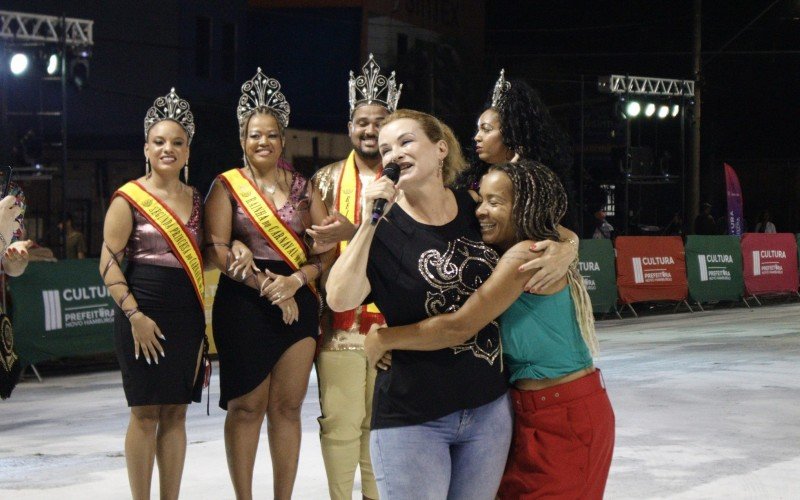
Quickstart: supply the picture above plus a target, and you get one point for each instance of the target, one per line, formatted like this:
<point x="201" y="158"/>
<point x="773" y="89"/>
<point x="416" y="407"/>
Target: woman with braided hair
<point x="564" y="426"/>
<point x="159" y="324"/>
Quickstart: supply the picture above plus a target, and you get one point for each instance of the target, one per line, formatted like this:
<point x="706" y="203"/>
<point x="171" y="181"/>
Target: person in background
<point x="346" y="380"/>
<point x="76" y="243"/>
<point x="764" y="225"/>
<point x="704" y="222"/>
<point x="603" y="229"/>
<point x="515" y="125"/>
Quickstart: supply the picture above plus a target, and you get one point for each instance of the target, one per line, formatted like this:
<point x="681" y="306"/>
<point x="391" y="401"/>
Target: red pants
<point x="563" y="442"/>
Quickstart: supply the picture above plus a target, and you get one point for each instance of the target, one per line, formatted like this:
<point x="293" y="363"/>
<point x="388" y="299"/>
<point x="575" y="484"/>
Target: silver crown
<point x="373" y="88"/>
<point x="262" y="92"/>
<point x="501" y="86"/>
<point x="170" y="107"/>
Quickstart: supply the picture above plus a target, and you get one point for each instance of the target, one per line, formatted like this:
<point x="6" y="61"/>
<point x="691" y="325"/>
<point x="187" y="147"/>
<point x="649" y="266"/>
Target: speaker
<point x="641" y="161"/>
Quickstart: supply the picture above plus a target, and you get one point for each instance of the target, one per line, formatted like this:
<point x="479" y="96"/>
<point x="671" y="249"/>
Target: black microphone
<point x="392" y="172"/>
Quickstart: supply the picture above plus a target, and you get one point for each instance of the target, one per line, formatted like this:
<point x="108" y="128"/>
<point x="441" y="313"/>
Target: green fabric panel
<point x="714" y="268"/>
<point x="61" y="309"/>
<point x="597" y="266"/>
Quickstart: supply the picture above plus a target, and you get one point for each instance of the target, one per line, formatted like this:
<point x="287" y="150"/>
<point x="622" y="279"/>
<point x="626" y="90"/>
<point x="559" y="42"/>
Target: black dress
<point x="165" y="294"/>
<point x="249" y="331"/>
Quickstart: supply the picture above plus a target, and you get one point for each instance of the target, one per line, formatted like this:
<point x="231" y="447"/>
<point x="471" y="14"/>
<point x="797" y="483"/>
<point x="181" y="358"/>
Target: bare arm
<point x="553" y="263"/>
<point x="117" y="230"/>
<point x="347" y="284"/>
<point x="493" y="297"/>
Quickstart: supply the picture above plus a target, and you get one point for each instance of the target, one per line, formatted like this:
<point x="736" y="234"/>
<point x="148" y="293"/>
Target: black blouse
<point x="417" y="271"/>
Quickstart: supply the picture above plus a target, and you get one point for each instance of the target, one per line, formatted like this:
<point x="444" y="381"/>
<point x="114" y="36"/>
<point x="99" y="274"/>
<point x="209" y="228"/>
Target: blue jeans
<point x="459" y="456"/>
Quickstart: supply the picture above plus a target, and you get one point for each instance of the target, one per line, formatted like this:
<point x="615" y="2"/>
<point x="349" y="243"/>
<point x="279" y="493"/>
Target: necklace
<point x="267" y="188"/>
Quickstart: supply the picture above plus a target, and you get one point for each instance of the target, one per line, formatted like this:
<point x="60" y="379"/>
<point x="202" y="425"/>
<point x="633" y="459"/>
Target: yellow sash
<point x="348" y="203"/>
<point x="172" y="229"/>
<point x="264" y="217"/>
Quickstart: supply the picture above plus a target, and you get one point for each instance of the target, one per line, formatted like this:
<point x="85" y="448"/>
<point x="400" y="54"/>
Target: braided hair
<point x="540" y="203"/>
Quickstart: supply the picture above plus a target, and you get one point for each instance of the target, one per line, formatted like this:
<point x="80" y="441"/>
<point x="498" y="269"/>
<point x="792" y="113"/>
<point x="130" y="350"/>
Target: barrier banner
<point x="61" y="309"/>
<point x="714" y="268"/>
<point x="651" y="268"/>
<point x="770" y="263"/>
<point x="596" y="265"/>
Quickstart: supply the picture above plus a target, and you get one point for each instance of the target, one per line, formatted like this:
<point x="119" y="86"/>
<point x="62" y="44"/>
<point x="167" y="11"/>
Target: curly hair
<point x="528" y="130"/>
<point x="436" y="131"/>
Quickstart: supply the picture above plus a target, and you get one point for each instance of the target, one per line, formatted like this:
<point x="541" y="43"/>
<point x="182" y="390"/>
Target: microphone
<point x="392" y="172"/>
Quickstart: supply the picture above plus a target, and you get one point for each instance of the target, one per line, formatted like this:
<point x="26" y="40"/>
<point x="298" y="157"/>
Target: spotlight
<point x="663" y="111"/>
<point x="633" y="109"/>
<point x="675" y="110"/>
<point x="18" y="63"/>
<point x="649" y="109"/>
<point x="52" y="64"/>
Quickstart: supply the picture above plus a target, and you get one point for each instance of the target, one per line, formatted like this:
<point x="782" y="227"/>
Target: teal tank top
<point x="541" y="337"/>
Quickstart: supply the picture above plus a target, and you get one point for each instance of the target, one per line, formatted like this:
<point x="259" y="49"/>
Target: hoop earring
<point x="186" y="172"/>
<point x="147" y="169"/>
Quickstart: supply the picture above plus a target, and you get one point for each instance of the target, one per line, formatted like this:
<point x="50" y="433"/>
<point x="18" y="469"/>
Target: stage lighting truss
<point x="645" y="86"/>
<point x="22" y="27"/>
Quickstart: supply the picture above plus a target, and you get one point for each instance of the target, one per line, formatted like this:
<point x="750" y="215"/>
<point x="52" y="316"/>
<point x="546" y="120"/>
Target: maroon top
<point x="148" y="246"/>
<point x="295" y="213"/>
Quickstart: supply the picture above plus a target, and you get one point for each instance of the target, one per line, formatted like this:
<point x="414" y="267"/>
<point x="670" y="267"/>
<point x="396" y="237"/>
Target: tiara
<point x="170" y="107"/>
<point x="373" y="88"/>
<point x="262" y="92"/>
<point x="500" y="88"/>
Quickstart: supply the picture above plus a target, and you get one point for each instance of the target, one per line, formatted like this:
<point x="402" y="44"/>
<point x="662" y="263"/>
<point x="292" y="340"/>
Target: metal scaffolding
<point x="23" y="27"/>
<point x="643" y="85"/>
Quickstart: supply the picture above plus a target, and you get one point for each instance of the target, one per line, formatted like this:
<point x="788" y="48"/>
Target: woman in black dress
<point x="159" y="324"/>
<point x="265" y="317"/>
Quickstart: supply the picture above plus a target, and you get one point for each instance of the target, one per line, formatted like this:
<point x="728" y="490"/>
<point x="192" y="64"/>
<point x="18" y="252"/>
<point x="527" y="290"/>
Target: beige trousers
<point x="346" y="385"/>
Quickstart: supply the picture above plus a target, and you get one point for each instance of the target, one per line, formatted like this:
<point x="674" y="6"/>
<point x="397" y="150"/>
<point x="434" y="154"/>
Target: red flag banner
<point x="770" y="263"/>
<point x="651" y="268"/>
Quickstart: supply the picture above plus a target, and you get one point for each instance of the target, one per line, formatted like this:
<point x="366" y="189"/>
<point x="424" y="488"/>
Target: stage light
<point x="663" y="111"/>
<point x="18" y="63"/>
<point x="649" y="109"/>
<point x="52" y="64"/>
<point x="633" y="109"/>
<point x="675" y="110"/>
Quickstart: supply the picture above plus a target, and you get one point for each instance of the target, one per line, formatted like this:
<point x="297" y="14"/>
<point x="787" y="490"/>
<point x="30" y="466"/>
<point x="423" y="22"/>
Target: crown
<point x="373" y="88"/>
<point x="501" y="86"/>
<point x="170" y="107"/>
<point x="262" y="92"/>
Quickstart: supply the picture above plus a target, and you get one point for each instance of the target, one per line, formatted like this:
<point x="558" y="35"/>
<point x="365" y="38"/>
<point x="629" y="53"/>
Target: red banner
<point x="651" y="268"/>
<point x="770" y="263"/>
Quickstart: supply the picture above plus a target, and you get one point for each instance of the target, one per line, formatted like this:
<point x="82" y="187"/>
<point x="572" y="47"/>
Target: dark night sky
<point x="750" y="99"/>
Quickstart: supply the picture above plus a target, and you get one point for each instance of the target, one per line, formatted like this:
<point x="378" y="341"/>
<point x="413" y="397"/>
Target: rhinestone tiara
<point x="501" y="86"/>
<point x="170" y="107"/>
<point x="262" y="92"/>
<point x="371" y="87"/>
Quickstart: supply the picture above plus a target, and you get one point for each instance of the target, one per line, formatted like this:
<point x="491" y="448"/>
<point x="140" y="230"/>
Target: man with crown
<point x="346" y="381"/>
